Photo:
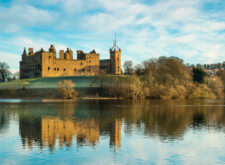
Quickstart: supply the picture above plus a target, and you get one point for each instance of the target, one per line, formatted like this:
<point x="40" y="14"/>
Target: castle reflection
<point x="64" y="127"/>
<point x="84" y="123"/>
<point x="53" y="128"/>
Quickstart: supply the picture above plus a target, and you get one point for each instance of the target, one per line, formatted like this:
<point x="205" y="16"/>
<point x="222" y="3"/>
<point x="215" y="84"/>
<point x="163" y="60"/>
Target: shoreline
<point x="79" y="98"/>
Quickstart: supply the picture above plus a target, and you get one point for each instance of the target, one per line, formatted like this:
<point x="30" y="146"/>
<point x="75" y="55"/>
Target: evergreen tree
<point x="198" y="75"/>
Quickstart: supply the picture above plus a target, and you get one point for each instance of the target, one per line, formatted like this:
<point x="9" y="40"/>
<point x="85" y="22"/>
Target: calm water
<point x="112" y="132"/>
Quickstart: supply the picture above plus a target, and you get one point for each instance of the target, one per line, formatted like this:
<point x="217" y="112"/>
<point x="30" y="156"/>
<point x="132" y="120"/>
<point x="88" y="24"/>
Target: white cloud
<point x="18" y="15"/>
<point x="11" y="59"/>
<point x="72" y="6"/>
<point x="37" y="43"/>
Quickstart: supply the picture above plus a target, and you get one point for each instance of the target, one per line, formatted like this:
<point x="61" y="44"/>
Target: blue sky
<point x="193" y="30"/>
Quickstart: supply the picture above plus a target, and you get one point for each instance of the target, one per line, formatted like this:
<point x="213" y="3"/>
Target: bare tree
<point x="139" y="69"/>
<point x="4" y="71"/>
<point x="128" y="67"/>
<point x="16" y="75"/>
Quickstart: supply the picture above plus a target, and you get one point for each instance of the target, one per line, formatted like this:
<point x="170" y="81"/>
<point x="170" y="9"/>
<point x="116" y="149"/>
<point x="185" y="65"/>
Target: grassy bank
<point x="46" y="87"/>
<point x="36" y="83"/>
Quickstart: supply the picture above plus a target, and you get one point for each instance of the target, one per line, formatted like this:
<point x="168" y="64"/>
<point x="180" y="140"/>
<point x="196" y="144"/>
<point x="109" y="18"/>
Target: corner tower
<point x="115" y="59"/>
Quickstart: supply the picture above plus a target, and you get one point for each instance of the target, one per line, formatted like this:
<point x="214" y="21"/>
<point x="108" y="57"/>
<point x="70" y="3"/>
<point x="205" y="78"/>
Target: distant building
<point x="46" y="64"/>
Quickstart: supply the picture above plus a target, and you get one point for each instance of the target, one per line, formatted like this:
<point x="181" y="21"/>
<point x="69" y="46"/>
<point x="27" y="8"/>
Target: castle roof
<point x="115" y="46"/>
<point x="104" y="60"/>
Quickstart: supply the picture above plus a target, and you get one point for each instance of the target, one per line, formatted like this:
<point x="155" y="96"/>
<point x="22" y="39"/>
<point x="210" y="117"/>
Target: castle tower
<point x="115" y="59"/>
<point x="52" y="50"/>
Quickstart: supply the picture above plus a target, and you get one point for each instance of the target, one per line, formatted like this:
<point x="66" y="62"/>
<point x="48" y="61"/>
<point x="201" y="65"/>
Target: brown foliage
<point x="65" y="89"/>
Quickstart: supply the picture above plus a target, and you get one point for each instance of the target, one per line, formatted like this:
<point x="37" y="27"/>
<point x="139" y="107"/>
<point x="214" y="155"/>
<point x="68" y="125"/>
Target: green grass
<point x="81" y="82"/>
<point x="51" y="82"/>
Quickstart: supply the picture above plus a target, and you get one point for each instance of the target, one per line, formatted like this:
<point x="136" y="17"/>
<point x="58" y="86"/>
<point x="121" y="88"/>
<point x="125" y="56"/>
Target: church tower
<point x="115" y="59"/>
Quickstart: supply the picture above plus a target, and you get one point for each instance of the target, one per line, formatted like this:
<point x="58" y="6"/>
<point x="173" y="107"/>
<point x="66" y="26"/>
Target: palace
<point x="47" y="64"/>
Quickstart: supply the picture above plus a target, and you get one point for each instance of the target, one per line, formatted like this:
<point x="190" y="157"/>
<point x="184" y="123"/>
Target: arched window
<point x="48" y="68"/>
<point x="64" y="69"/>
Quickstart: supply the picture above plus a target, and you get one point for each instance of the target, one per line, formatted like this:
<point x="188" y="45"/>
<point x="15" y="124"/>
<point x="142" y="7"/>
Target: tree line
<point x="162" y="78"/>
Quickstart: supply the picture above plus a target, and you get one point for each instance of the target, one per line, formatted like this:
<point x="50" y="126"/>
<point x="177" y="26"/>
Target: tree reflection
<point x="4" y="121"/>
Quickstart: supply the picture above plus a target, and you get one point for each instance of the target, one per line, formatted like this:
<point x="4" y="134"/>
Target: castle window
<point x="57" y="69"/>
<point x="89" y="61"/>
<point x="81" y="63"/>
<point x="83" y="70"/>
<point x="48" y="68"/>
<point x="49" y="57"/>
<point x="89" y="70"/>
<point x="75" y="70"/>
<point x="54" y="69"/>
<point x="64" y="69"/>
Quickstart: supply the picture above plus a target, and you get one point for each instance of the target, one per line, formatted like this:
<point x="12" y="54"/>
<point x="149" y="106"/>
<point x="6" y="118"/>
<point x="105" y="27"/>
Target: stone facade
<point x="47" y="64"/>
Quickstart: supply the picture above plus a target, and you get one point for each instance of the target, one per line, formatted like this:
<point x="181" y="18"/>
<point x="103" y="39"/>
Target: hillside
<point x="34" y="83"/>
<point x="46" y="87"/>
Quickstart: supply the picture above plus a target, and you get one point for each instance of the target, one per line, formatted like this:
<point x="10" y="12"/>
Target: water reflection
<point x="4" y="121"/>
<point x="82" y="123"/>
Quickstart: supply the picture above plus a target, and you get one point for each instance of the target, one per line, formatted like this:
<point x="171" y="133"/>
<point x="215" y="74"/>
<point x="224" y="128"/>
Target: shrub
<point x="120" y="87"/>
<point x="158" y="91"/>
<point x="216" y="85"/>
<point x="201" y="91"/>
<point x="65" y="89"/>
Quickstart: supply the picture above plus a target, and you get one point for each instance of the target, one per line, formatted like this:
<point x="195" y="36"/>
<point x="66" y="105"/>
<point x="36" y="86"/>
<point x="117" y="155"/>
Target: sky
<point x="193" y="30"/>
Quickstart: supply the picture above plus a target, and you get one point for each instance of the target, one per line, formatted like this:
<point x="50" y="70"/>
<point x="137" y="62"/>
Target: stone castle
<point x="47" y="64"/>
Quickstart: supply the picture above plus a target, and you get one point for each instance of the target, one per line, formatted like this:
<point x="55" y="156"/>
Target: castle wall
<point x="105" y="66"/>
<point x="30" y="66"/>
<point x="56" y="67"/>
